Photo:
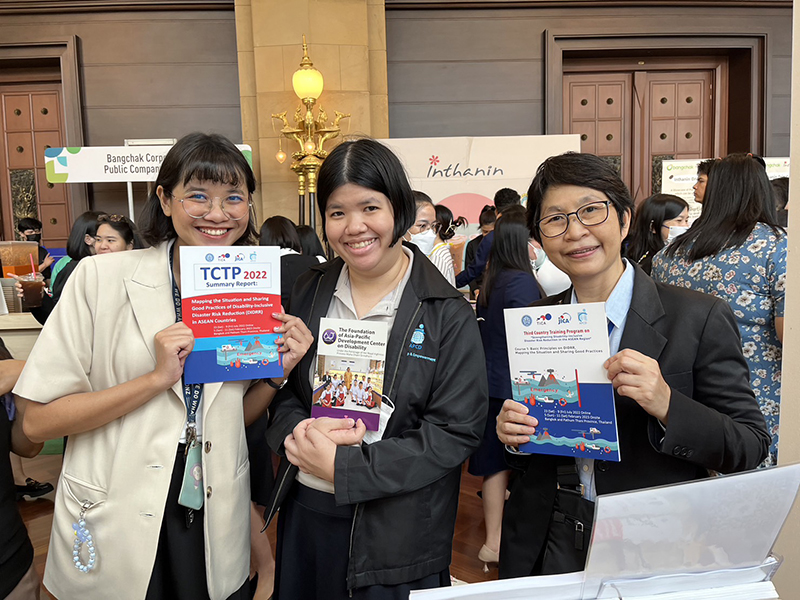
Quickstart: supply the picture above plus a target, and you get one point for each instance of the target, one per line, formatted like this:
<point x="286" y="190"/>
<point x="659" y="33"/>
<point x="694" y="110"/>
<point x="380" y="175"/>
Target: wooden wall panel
<point x="511" y="40"/>
<point x="145" y="74"/>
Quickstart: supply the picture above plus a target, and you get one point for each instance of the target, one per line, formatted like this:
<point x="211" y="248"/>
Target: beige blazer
<point x="100" y="335"/>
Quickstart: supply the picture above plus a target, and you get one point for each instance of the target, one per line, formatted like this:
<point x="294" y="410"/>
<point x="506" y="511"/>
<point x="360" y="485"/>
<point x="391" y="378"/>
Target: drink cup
<point x="32" y="289"/>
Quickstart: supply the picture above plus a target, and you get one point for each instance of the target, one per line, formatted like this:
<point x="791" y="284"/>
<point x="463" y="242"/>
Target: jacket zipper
<point x="391" y="389"/>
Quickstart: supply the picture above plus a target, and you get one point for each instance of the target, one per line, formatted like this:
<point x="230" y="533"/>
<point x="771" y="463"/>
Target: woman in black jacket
<point x="375" y="520"/>
<point x="281" y="232"/>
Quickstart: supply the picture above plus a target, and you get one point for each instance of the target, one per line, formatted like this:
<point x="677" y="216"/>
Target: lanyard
<point x="191" y="391"/>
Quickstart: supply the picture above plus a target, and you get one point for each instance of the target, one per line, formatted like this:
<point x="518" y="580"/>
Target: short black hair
<point x="583" y="170"/>
<point x="368" y="163"/>
<point x="85" y="224"/>
<point x="505" y="197"/>
<point x="780" y="192"/>
<point x="28" y="223"/>
<point x="204" y="157"/>
<point x="704" y="166"/>
<point x="280" y="231"/>
<point x="421" y="199"/>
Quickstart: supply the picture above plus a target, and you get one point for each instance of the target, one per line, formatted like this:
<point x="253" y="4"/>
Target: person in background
<point x="445" y="227"/>
<point x="421" y="233"/>
<point x="280" y="231"/>
<point x="503" y="198"/>
<point x="30" y="230"/>
<point x="736" y="251"/>
<point x="780" y="194"/>
<point x="115" y="233"/>
<point x="309" y="241"/>
<point x="85" y="228"/>
<point x="486" y="221"/>
<point x="18" y="577"/>
<point x="508" y="282"/>
<point x="683" y="401"/>
<point x="374" y="520"/>
<point x="703" y="169"/>
<point x="659" y="218"/>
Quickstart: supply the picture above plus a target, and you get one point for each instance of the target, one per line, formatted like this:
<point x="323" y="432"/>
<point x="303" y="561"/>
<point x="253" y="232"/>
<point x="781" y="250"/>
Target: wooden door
<point x="673" y="119"/>
<point x="598" y="107"/>
<point x="32" y="120"/>
<point x="638" y="118"/>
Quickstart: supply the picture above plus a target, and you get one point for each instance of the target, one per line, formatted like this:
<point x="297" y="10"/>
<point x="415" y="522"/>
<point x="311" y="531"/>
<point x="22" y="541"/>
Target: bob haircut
<point x="509" y="250"/>
<point x="645" y="235"/>
<point x="309" y="240"/>
<point x="280" y="231"/>
<point x="369" y="164"/>
<point x="445" y="225"/>
<point x="582" y="170"/>
<point x="204" y="157"/>
<point x="738" y="196"/>
<point x="85" y="224"/>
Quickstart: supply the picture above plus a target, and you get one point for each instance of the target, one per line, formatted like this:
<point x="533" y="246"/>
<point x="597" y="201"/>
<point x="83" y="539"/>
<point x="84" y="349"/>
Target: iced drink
<point x="32" y="289"/>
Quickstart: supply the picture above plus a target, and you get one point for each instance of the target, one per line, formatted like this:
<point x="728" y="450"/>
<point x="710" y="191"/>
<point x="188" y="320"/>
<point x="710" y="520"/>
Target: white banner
<point x="463" y="173"/>
<point x="95" y="164"/>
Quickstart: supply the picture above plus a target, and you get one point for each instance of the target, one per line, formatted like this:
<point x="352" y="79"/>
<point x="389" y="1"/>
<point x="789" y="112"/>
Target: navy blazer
<point x="477" y="267"/>
<point x="714" y="419"/>
<point x="511" y="289"/>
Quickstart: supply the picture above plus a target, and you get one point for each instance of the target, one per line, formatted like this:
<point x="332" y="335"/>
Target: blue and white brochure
<point x="556" y="355"/>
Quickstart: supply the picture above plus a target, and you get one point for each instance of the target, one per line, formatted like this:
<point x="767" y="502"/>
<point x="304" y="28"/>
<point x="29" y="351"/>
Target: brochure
<point x="229" y="294"/>
<point x="556" y="356"/>
<point x="348" y="380"/>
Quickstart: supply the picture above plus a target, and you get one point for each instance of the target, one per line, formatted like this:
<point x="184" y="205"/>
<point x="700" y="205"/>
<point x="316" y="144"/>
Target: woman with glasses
<point x="659" y="219"/>
<point x="736" y="251"/>
<point x="119" y="528"/>
<point x="684" y="406"/>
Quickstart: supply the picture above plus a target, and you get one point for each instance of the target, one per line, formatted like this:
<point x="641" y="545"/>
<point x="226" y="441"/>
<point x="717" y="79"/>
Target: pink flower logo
<point x="434" y="160"/>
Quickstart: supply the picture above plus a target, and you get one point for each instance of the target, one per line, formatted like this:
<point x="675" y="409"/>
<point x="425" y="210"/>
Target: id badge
<point x="191" y="495"/>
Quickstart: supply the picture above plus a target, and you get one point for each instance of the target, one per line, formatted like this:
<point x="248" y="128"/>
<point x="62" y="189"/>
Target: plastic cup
<point x="32" y="289"/>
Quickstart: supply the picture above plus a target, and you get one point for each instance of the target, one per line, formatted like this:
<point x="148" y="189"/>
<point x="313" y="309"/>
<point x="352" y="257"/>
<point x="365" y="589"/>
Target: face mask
<point x="540" y="257"/>
<point x="34" y="237"/>
<point x="675" y="232"/>
<point x="424" y="241"/>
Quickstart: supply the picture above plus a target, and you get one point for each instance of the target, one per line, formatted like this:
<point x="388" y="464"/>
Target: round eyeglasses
<point x="594" y="213"/>
<point x="198" y="205"/>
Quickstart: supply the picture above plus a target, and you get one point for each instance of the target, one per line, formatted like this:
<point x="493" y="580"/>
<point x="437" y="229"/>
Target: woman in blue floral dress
<point x="737" y="251"/>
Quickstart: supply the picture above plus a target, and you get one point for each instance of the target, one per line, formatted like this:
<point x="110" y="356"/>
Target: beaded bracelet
<point x="83" y="536"/>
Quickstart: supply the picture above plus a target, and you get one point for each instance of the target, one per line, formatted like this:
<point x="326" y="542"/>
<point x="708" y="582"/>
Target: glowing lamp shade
<point x="307" y="83"/>
<point x="280" y="156"/>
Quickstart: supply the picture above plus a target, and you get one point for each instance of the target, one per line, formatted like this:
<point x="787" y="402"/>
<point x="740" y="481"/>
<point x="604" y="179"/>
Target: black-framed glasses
<point x="198" y="205"/>
<point x="594" y="213"/>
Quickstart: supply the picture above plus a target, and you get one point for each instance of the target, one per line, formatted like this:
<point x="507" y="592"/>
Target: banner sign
<point x="463" y="173"/>
<point x="96" y="164"/>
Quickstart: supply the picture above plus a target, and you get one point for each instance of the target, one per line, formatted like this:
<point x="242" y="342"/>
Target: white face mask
<point x="540" y="257"/>
<point x="424" y="241"/>
<point x="675" y="232"/>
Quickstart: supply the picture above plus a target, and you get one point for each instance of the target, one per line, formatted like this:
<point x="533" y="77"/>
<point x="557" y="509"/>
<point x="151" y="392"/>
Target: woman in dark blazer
<point x="508" y="282"/>
<point x="683" y="401"/>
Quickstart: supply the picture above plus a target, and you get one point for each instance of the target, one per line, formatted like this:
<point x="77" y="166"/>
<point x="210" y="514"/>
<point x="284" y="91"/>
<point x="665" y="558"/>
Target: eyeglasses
<point x="594" y="213"/>
<point x="198" y="205"/>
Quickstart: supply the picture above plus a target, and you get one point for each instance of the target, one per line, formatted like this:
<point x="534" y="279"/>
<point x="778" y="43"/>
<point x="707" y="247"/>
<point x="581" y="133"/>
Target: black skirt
<point x="261" y="474"/>
<point x="489" y="458"/>
<point x="312" y="553"/>
<point x="179" y="572"/>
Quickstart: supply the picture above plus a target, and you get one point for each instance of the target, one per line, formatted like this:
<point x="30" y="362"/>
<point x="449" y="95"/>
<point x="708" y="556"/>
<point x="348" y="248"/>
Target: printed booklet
<point x="556" y="356"/>
<point x="228" y="296"/>
<point x="348" y="380"/>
